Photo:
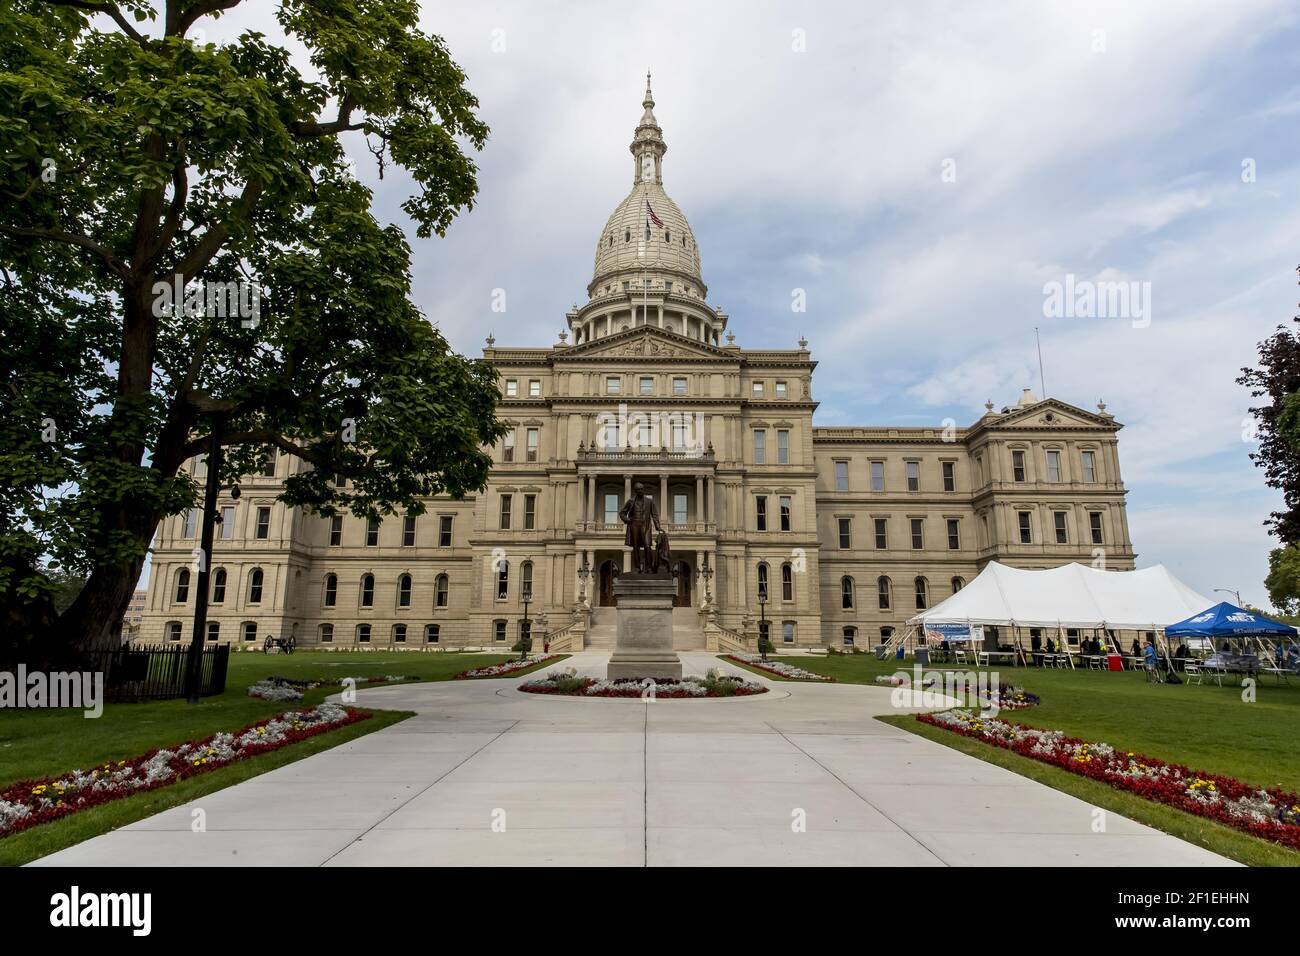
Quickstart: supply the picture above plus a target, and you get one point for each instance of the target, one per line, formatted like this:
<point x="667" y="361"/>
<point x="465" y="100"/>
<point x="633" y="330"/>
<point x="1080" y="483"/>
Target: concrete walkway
<point x="486" y="775"/>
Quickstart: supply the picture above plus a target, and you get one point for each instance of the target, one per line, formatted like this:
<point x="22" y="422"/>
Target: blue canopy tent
<point x="1226" y="621"/>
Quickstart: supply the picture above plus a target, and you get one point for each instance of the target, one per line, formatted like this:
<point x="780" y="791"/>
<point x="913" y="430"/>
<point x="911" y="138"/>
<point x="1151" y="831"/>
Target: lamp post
<point x="584" y="573"/>
<point x="541" y="622"/>
<point x="762" y="625"/>
<point x="526" y="638"/>
<point x="217" y="411"/>
<point x="707" y="574"/>
<point x="1234" y="592"/>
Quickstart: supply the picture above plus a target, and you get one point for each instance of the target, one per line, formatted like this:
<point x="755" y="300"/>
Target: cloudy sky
<point x="921" y="170"/>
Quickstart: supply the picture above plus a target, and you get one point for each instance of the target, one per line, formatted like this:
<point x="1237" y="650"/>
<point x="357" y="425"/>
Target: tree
<point x="1277" y="425"/>
<point x="139" y="163"/>
<point x="1283" y="581"/>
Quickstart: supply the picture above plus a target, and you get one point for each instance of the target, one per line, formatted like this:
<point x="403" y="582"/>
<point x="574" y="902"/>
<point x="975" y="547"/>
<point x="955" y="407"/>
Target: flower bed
<point x="1269" y="814"/>
<point x="31" y="802"/>
<point x="567" y="683"/>
<point x="788" y="671"/>
<point x="292" y="688"/>
<point x="501" y="670"/>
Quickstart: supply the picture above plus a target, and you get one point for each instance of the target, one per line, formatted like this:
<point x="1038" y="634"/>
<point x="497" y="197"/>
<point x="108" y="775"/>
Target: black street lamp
<point x="526" y="638"/>
<point x="707" y="574"/>
<point x="584" y="573"/>
<point x="217" y="410"/>
<point x="762" y="625"/>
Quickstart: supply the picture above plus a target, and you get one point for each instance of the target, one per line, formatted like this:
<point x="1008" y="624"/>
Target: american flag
<point x="649" y="210"/>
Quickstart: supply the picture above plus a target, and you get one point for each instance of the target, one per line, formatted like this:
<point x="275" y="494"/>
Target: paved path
<point x="487" y="775"/>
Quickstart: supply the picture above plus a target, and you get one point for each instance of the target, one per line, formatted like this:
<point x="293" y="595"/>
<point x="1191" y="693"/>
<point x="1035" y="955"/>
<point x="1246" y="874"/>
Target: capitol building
<point x="818" y="534"/>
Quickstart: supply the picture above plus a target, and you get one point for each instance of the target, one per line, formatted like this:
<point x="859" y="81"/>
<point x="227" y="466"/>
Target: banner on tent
<point x="954" y="633"/>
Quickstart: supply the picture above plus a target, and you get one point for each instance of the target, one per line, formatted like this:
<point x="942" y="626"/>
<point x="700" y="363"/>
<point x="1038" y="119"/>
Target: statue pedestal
<point x="644" y="647"/>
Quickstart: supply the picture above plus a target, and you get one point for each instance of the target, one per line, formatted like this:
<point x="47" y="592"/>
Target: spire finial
<point x="649" y="100"/>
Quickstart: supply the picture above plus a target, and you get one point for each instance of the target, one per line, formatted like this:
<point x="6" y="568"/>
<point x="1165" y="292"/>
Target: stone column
<point x="665" y="512"/>
<point x="590" y="484"/>
<point x="699" y="499"/>
<point x="699" y="579"/>
<point x="708" y="499"/>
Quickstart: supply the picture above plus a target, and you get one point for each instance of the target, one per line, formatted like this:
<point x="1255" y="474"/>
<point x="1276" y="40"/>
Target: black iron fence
<point x="157" y="672"/>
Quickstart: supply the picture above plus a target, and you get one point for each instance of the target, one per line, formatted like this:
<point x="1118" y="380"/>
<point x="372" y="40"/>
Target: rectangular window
<point x="611" y="509"/>
<point x="756" y="389"/>
<point x="913" y="476"/>
<point x="512" y="388"/>
<point x="787" y="582"/>
<point x="760" y="512"/>
<point x="841" y="476"/>
<point x="214" y="630"/>
<point x="1094" y="524"/>
<point x="530" y="512"/>
<point x="782" y="447"/>
<point x="506" y="502"/>
<point x="188" y="521"/>
<point x="1026" y="534"/>
<point x="954" y="536"/>
<point x="882" y="540"/>
<point x="846" y="533"/>
<point x="336" y="530"/>
<point x="679" y="509"/>
<point x="263" y="523"/>
<point x="647" y="385"/>
<point x="372" y="532"/>
<point x="508" y="447"/>
<point x="250" y="631"/>
<point x="498" y="630"/>
<point x="781" y="390"/>
<point x="408" y="531"/>
<point x="268" y="469"/>
<point x="787" y="632"/>
<point x="532" y="438"/>
<point x="1018" y="466"/>
<point x="610" y="431"/>
<point x="786" y="509"/>
<point x="227" y="522"/>
<point x="534" y="388"/>
<point x="918" y="534"/>
<point x="363" y="633"/>
<point x="1053" y="466"/>
<point x="679" y="436"/>
<point x="679" y="386"/>
<point x="444" y="531"/>
<point x="760" y="446"/>
<point x="431" y="634"/>
<point x="877" y="476"/>
<point x="949" y="476"/>
<point x="1058" y="522"/>
<point x="613" y="385"/>
<point x="1089" y="466"/>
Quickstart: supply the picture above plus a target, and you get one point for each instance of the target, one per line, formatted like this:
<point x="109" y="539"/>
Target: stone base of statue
<point x="644" y="647"/>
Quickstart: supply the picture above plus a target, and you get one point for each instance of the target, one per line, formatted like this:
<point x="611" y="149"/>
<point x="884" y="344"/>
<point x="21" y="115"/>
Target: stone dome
<point x="632" y="244"/>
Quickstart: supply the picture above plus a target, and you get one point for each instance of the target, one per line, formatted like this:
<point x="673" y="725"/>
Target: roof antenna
<point x="1042" y="385"/>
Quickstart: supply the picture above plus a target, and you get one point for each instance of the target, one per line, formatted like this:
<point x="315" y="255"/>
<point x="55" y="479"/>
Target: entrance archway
<point x="682" y="572"/>
<point x="609" y="572"/>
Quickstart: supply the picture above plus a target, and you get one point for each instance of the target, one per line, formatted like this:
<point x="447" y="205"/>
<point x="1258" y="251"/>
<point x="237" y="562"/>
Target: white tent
<point x="1072" y="596"/>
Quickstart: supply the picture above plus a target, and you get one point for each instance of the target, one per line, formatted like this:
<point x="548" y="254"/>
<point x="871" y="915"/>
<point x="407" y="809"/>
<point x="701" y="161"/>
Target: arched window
<point x="787" y="582"/>
<point x="846" y="593"/>
<point x="331" y="590"/>
<point x="627" y="235"/>
<point x="849" y="635"/>
<point x="667" y="236"/>
<point x="399" y="633"/>
<point x="526" y="581"/>
<point x="431" y="633"/>
<point x="404" y="591"/>
<point x="921" y="598"/>
<point x="219" y="586"/>
<point x="327" y="633"/>
<point x="368" y="590"/>
<point x="182" y="585"/>
<point x="250" y="631"/>
<point x="762" y="582"/>
<point x="173" y="630"/>
<point x="363" y="633"/>
<point x="882" y="588"/>
<point x="957" y="585"/>
<point x="440" y="591"/>
<point x="503" y="580"/>
<point x="255" y="586"/>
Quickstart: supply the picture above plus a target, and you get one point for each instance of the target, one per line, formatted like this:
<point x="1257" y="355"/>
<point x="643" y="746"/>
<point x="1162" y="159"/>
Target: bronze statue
<point x="640" y="515"/>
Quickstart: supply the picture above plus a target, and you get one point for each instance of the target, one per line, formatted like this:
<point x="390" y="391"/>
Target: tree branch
<point x="109" y="8"/>
<point x="179" y="21"/>
<point x="114" y="264"/>
<point x="212" y="241"/>
<point x="343" y="123"/>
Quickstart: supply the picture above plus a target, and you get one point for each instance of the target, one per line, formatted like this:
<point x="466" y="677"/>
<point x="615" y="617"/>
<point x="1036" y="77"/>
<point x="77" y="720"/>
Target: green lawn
<point x="37" y="743"/>
<point x="1203" y="726"/>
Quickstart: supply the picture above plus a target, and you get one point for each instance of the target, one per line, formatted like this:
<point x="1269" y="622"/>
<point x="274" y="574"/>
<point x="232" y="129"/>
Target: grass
<point x="1205" y="727"/>
<point x="38" y="743"/>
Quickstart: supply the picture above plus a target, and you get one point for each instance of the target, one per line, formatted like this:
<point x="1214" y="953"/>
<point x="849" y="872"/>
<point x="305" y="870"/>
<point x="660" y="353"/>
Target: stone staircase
<point x="603" y="632"/>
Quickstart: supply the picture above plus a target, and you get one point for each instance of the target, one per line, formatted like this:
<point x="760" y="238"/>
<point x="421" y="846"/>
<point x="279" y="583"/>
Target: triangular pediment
<point x="646" y="342"/>
<point x="1053" y="413"/>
